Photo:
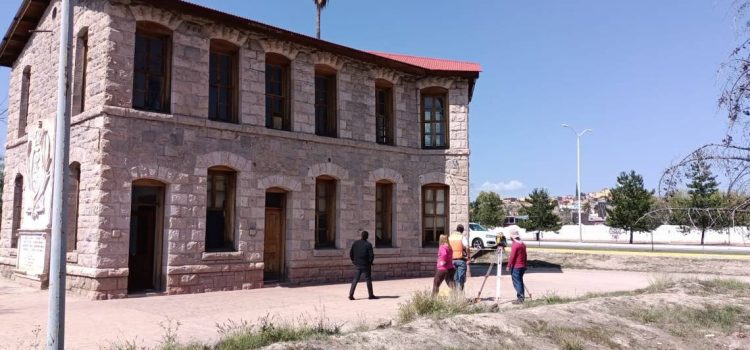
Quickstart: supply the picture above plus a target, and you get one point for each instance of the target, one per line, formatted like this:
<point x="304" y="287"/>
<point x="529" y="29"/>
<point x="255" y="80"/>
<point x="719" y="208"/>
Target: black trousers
<point x="367" y="271"/>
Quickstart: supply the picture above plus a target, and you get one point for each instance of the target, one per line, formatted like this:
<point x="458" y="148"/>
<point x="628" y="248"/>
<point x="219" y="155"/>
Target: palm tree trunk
<point x="703" y="235"/>
<point x="318" y="23"/>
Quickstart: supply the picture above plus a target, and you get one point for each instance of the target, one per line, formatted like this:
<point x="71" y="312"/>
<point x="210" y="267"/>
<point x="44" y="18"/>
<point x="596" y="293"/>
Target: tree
<point x="704" y="195"/>
<point x="541" y="213"/>
<point x="319" y="5"/>
<point x="487" y="209"/>
<point x="631" y="201"/>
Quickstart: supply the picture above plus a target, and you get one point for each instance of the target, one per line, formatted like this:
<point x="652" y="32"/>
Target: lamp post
<point x="578" y="175"/>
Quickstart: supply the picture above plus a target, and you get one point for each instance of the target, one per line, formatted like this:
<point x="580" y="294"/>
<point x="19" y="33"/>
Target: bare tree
<point x="730" y="157"/>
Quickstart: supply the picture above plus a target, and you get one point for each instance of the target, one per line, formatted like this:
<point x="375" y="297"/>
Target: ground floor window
<point x="220" y="209"/>
<point x="434" y="213"/>
<point x="325" y="212"/>
<point x="383" y="214"/>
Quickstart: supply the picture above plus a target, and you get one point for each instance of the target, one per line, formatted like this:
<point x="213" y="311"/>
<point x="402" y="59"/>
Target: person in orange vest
<point x="459" y="242"/>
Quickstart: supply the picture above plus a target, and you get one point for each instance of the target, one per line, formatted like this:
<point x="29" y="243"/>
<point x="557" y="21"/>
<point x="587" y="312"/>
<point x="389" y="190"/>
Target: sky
<point x="642" y="74"/>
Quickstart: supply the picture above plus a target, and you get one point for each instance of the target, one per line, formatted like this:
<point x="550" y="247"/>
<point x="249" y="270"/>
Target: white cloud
<point x="501" y="187"/>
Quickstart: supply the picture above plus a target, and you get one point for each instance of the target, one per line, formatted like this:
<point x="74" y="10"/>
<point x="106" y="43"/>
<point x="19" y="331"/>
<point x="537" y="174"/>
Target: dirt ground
<point x="671" y="314"/>
<point x="683" y="315"/>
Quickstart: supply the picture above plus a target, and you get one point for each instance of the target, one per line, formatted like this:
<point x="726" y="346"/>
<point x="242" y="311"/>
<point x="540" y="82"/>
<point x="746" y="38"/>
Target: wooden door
<point x="145" y="223"/>
<point x="273" y="247"/>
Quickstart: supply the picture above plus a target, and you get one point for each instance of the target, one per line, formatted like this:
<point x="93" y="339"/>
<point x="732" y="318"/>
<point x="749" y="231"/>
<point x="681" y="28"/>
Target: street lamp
<point x="578" y="175"/>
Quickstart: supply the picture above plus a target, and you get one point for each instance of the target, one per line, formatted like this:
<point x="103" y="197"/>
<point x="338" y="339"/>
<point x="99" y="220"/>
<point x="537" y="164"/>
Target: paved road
<point x="711" y="249"/>
<point x="91" y="324"/>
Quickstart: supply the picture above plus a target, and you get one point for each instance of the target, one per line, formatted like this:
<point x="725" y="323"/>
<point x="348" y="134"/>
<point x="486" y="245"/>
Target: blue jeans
<point x="517" y="276"/>
<point x="460" y="276"/>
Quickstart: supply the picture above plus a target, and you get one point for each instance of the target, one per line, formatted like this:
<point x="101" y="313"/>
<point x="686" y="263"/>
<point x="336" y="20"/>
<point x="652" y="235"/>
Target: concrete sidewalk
<point x="91" y="324"/>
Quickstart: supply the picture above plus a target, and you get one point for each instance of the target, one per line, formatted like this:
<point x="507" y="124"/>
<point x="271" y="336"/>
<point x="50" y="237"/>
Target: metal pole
<point x="56" y="309"/>
<point x="499" y="274"/>
<point x="578" y="185"/>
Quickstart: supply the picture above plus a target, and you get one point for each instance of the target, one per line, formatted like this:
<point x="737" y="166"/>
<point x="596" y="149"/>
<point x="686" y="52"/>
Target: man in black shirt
<point x="362" y="257"/>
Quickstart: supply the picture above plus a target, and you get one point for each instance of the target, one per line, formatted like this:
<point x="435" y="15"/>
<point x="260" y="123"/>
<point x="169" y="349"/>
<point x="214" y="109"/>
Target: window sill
<point x="14" y="251"/>
<point x="428" y="250"/>
<point x="221" y="255"/>
<point x="322" y="252"/>
<point x="387" y="251"/>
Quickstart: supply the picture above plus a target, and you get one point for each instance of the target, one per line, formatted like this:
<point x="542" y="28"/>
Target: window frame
<point x="434" y="93"/>
<point x="23" y="108"/>
<point x="331" y="197"/>
<point x="331" y="102"/>
<point x="153" y="31"/>
<point x="284" y="64"/>
<point x="73" y="211"/>
<point x="229" y="208"/>
<point x="446" y="213"/>
<point x="384" y="213"/>
<point x="386" y="114"/>
<point x="17" y="210"/>
<point x="226" y="49"/>
<point x="80" y="73"/>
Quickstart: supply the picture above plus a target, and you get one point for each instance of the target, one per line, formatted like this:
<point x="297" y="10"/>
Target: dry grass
<point x="423" y="304"/>
<point x="572" y="338"/>
<point x="689" y="322"/>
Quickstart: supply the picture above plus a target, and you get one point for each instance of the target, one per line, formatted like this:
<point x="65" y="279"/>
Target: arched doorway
<point x="275" y="236"/>
<point x="146" y="236"/>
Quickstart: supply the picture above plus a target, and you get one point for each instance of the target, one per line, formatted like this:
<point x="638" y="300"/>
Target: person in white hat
<point x="517" y="264"/>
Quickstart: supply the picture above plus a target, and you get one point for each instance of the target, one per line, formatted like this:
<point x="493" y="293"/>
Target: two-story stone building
<point x="211" y="152"/>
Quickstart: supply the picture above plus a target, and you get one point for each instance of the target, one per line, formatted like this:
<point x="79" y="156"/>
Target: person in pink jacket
<point x="444" y="269"/>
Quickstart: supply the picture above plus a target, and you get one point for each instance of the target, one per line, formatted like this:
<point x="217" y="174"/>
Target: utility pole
<point x="578" y="176"/>
<point x="56" y="309"/>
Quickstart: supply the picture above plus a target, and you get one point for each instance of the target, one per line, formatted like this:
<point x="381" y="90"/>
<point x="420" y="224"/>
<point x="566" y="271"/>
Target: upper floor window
<point x="223" y="77"/>
<point x="278" y="114"/>
<point x="434" y="213"/>
<point x="325" y="101"/>
<point x="23" y="108"/>
<point x="151" y="68"/>
<point x="81" y="65"/>
<point x="384" y="113"/>
<point x="220" y="209"/>
<point x="434" y="118"/>
<point x="325" y="212"/>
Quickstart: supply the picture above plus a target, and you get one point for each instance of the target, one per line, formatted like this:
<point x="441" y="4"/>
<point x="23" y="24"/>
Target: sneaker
<point x="351" y="297"/>
<point x="517" y="302"/>
<point x="372" y="297"/>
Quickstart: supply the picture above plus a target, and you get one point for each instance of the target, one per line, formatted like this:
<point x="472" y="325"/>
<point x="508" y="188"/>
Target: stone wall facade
<point x="117" y="145"/>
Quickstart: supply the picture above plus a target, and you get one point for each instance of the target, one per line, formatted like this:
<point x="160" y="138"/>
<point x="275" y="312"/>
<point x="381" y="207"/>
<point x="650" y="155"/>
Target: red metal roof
<point x="432" y="63"/>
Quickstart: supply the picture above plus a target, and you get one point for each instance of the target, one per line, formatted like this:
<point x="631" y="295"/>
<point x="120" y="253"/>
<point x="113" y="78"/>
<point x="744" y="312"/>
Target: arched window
<point x="223" y="80"/>
<point x="220" y="209"/>
<point x="325" y="101"/>
<point x="23" y="109"/>
<point x="325" y="212"/>
<point x="383" y="214"/>
<point x="435" y="208"/>
<point x="73" y="205"/>
<point x="384" y="125"/>
<point x="81" y="66"/>
<point x="434" y="118"/>
<point x="278" y="91"/>
<point x="17" y="207"/>
<point x="151" y="67"/>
